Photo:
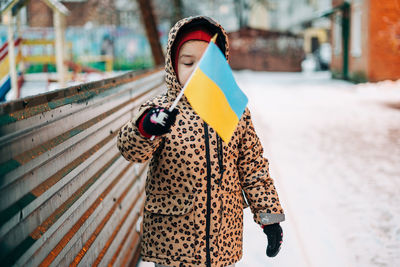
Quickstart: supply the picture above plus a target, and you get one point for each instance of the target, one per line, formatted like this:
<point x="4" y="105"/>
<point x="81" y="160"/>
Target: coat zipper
<point x="208" y="215"/>
<point x="220" y="149"/>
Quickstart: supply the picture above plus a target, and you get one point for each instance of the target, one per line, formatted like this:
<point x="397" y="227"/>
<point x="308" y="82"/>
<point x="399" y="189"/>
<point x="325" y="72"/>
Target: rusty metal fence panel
<point x="67" y="196"/>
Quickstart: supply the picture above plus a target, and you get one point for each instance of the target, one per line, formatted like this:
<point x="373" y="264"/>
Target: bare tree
<point x="150" y="24"/>
<point x="242" y="8"/>
<point x="177" y="11"/>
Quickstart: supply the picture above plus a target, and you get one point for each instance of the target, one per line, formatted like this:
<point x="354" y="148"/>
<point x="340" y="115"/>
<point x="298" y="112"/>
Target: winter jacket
<point x="193" y="212"/>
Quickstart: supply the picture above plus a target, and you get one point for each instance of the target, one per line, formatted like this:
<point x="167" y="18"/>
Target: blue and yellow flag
<point x="213" y="93"/>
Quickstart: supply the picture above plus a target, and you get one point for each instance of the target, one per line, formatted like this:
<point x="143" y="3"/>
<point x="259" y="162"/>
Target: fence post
<point x="11" y="55"/>
<point x="59" y="46"/>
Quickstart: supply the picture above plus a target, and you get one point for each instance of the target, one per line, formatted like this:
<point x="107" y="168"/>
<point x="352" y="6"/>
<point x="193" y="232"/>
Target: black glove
<point x="158" y="121"/>
<point x="274" y="233"/>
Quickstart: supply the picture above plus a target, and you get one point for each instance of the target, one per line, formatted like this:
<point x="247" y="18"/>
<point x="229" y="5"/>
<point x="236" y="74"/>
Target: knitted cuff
<point x="140" y="127"/>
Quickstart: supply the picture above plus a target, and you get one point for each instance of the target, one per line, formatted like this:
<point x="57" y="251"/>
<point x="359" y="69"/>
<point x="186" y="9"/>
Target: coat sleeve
<point x="256" y="182"/>
<point x="132" y="144"/>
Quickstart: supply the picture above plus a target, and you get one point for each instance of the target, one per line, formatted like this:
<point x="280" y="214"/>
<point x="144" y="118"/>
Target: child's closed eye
<point x="188" y="64"/>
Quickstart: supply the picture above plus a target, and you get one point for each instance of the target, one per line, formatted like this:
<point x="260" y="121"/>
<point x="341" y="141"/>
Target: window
<point x="337" y="34"/>
<point x="356" y="42"/>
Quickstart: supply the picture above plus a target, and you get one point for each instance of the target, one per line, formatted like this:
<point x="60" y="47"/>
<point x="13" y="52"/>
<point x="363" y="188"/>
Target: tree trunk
<point x="242" y="8"/>
<point x="150" y="24"/>
<point x="178" y="11"/>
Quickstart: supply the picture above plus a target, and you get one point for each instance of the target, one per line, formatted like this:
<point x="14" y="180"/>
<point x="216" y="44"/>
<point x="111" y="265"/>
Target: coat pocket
<point x="168" y="225"/>
<point x="232" y="211"/>
<point x="177" y="204"/>
<point x="230" y="237"/>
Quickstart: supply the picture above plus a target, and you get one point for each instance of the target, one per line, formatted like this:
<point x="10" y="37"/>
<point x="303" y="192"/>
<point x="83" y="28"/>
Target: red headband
<point x="195" y="34"/>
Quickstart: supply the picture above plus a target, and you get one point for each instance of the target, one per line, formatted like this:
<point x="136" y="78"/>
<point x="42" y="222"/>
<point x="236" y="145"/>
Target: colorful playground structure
<point x="15" y="54"/>
<point x="5" y="79"/>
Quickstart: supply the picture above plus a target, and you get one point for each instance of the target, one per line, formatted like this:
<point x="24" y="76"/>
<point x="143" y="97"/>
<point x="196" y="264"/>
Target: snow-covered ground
<point x="334" y="151"/>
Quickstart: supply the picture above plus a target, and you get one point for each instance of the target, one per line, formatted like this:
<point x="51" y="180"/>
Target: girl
<point x="193" y="213"/>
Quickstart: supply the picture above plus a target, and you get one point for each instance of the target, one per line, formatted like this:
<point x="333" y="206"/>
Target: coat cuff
<point x="140" y="126"/>
<point x="137" y="120"/>
<point x="135" y="133"/>
<point x="264" y="218"/>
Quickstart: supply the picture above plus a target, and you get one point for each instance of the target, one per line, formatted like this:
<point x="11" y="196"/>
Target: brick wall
<point x="337" y="2"/>
<point x="384" y="41"/>
<point x="100" y="12"/>
<point x="380" y="42"/>
<point x="39" y="14"/>
<point x="265" y="51"/>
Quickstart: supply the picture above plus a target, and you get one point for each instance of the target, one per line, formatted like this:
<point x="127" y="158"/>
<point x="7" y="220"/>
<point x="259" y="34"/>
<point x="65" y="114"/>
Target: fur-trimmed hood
<point x="171" y="79"/>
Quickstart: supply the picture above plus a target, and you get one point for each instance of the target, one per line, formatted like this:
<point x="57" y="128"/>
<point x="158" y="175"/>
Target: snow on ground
<point x="334" y="151"/>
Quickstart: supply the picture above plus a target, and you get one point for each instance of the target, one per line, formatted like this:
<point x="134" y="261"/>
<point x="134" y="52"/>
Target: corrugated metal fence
<point x="67" y="196"/>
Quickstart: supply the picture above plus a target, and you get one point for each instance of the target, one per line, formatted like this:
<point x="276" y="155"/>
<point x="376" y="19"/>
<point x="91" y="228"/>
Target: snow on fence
<point x="67" y="196"/>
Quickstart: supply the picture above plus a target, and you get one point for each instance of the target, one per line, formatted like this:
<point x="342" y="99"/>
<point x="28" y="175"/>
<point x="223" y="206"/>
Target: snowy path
<point x="334" y="151"/>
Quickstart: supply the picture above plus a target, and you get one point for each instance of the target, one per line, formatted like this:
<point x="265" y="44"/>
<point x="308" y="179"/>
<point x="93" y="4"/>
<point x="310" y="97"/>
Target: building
<point x="101" y="12"/>
<point x="262" y="50"/>
<point x="302" y="17"/>
<point x="365" y="39"/>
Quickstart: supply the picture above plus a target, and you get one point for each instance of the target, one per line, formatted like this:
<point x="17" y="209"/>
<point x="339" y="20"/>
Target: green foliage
<point x="101" y="66"/>
<point x="355" y="77"/>
<point x="358" y="77"/>
<point x="336" y="74"/>
<point x="35" y="68"/>
<point x="123" y="65"/>
<point x="138" y="64"/>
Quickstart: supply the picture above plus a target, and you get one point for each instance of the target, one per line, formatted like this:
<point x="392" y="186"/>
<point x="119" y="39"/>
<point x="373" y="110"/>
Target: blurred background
<point x="355" y="40"/>
<point x="323" y="81"/>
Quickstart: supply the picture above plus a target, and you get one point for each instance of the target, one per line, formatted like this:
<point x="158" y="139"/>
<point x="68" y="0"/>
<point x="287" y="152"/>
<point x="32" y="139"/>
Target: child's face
<point x="189" y="55"/>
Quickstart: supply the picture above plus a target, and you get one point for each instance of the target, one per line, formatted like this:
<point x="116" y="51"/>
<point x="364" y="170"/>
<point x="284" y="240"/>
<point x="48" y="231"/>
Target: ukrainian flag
<point x="213" y="93"/>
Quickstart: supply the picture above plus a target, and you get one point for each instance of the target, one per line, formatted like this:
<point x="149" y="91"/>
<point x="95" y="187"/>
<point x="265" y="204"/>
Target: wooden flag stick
<point x="214" y="39"/>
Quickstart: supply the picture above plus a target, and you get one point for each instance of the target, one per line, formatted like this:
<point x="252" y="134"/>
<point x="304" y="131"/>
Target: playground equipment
<point x="9" y="12"/>
<point x="67" y="196"/>
<point x="58" y="54"/>
<point x="5" y="79"/>
<point x="50" y="58"/>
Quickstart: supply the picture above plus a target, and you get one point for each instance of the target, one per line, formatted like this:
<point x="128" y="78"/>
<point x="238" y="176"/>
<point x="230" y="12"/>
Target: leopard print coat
<point x="193" y="213"/>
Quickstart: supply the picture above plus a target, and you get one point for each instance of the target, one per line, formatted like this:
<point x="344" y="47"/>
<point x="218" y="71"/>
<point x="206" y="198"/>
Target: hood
<point x="171" y="79"/>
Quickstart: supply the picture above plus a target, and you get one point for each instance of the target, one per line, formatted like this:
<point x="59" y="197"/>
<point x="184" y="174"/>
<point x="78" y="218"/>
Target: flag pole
<point x="213" y="39"/>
